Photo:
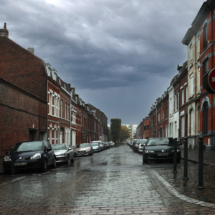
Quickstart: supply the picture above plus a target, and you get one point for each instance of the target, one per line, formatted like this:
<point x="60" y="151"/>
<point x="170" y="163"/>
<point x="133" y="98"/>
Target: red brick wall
<point x="19" y="111"/>
<point x="22" y="68"/>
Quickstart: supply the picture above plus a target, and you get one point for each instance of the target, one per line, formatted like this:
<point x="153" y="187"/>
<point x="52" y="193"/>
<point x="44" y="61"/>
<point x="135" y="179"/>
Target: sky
<point x="120" y="55"/>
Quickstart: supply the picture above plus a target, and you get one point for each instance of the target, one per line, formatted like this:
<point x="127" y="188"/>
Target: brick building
<point x="23" y="101"/>
<point x="37" y="104"/>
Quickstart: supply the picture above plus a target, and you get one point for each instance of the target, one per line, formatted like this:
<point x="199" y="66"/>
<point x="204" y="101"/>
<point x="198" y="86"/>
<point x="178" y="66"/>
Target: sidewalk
<point x="208" y="156"/>
<point x="188" y="187"/>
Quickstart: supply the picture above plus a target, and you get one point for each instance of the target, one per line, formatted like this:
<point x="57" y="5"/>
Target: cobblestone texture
<point x="111" y="182"/>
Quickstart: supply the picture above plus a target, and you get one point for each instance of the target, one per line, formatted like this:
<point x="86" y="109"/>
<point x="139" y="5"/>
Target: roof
<point x="197" y="22"/>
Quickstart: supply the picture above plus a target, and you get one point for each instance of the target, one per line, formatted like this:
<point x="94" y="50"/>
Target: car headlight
<point x="7" y="158"/>
<point x="136" y="145"/>
<point x="149" y="151"/>
<point x="36" y="156"/>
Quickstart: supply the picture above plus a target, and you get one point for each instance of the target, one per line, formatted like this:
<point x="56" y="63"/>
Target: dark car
<point x="160" y="149"/>
<point x="30" y="155"/>
<point x="135" y="145"/>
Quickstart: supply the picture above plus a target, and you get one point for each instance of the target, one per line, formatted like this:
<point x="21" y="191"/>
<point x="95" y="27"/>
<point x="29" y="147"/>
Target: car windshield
<point x="59" y="147"/>
<point x="142" y="141"/>
<point x="157" y="142"/>
<point x="94" y="144"/>
<point x="28" y="146"/>
<point x="83" y="145"/>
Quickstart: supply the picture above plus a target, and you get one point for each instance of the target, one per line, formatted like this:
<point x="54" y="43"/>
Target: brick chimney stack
<point x="4" y="32"/>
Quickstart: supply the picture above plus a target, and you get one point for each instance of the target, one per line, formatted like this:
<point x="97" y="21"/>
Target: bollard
<point x="200" y="183"/>
<point x="175" y="156"/>
<point x="12" y="160"/>
<point x="185" y="159"/>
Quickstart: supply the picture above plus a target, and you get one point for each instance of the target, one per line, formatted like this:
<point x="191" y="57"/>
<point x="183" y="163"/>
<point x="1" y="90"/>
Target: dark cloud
<point x="123" y="51"/>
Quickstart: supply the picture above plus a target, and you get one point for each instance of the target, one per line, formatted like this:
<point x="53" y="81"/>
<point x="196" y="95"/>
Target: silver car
<point x="63" y="153"/>
<point x="141" y="143"/>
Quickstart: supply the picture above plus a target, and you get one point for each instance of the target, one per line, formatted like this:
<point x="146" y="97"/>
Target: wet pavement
<point x="111" y="182"/>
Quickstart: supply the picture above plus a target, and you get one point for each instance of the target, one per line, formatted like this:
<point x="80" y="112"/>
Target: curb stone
<point x="173" y="191"/>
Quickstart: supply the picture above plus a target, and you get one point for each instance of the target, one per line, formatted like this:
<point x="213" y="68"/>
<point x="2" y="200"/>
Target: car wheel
<point x="54" y="165"/>
<point x="6" y="172"/>
<point x="44" y="168"/>
<point x="145" y="160"/>
<point x="68" y="161"/>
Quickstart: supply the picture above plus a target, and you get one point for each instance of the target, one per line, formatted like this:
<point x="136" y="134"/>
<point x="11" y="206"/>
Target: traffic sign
<point x="209" y="81"/>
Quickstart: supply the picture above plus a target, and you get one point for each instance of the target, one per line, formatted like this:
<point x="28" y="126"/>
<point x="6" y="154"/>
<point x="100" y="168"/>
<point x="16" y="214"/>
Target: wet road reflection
<point x="114" y="179"/>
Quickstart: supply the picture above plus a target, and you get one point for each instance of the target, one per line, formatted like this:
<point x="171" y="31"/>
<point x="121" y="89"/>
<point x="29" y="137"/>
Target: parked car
<point x="135" y="145"/>
<point x="96" y="146"/>
<point x="83" y="149"/>
<point x="160" y="149"/>
<point x="100" y="143"/>
<point x="63" y="153"/>
<point x="112" y="144"/>
<point x="141" y="143"/>
<point x="30" y="155"/>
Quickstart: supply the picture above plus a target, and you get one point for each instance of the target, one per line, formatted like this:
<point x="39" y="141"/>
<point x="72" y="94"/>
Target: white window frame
<point x="182" y="96"/>
<point x="191" y="85"/>
<point x="50" y="103"/>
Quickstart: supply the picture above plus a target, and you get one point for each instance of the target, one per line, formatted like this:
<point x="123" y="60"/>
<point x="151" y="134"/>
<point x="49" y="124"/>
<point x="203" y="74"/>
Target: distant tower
<point x="4" y="32"/>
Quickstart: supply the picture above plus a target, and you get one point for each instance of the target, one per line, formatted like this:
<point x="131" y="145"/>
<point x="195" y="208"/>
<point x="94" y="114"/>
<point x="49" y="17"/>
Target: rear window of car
<point x="83" y="145"/>
<point x="28" y="146"/>
<point x="59" y="147"/>
<point x="94" y="144"/>
<point x="157" y="142"/>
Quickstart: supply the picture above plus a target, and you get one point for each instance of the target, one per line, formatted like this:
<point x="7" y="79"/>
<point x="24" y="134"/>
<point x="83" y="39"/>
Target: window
<point x="55" y="106"/>
<point x="182" y="96"/>
<point x="175" y="102"/>
<point x="50" y="104"/>
<point x="182" y="126"/>
<point x="61" y="109"/>
<point x="192" y="122"/>
<point x="198" y="47"/>
<point x="191" y="54"/>
<point x="191" y="85"/>
<point x="65" y="110"/>
<point x="205" y="112"/>
<point x="198" y="81"/>
<point x="205" y="35"/>
<point x="68" y="112"/>
<point x="58" y="100"/>
<point x="74" y="118"/>
<point x="186" y="94"/>
<point x="205" y="66"/>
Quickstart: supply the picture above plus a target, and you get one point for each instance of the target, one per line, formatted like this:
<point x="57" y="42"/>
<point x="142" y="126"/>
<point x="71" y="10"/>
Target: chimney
<point x="4" y="32"/>
<point x="31" y="50"/>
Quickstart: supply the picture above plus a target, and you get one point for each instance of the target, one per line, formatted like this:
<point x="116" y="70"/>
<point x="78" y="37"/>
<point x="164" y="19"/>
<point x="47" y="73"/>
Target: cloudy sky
<point x="120" y="55"/>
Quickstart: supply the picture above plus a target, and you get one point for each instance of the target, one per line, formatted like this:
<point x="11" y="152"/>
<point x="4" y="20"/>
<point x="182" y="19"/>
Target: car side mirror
<point x="69" y="148"/>
<point x="49" y="149"/>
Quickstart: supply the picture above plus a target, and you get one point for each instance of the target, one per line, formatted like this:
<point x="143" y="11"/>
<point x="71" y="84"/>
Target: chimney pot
<point x="5" y="25"/>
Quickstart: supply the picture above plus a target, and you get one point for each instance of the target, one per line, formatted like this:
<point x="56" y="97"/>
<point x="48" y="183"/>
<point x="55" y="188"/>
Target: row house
<point x="199" y="40"/>
<point x="183" y="101"/>
<point x="35" y="103"/>
<point x="23" y="98"/>
<point x="146" y="131"/>
<point x="103" y="120"/>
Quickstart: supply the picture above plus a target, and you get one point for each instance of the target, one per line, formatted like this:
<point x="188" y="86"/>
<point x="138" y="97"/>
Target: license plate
<point x="20" y="164"/>
<point x="163" y="154"/>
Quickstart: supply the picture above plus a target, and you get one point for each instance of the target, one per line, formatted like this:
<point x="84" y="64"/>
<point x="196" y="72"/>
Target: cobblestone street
<point x="111" y="182"/>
